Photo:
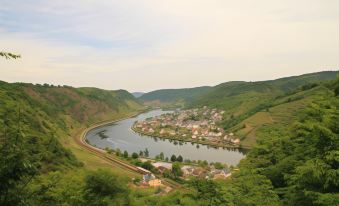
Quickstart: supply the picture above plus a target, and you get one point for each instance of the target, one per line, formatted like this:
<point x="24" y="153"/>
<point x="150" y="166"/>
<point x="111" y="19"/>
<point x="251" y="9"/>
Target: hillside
<point x="175" y="97"/>
<point x="281" y="113"/>
<point x="237" y="97"/>
<point x="137" y="94"/>
<point x="47" y="115"/>
<point x="243" y="99"/>
<point x="297" y="167"/>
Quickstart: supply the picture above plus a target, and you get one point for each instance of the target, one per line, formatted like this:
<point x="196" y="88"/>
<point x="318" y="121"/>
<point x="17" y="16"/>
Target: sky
<point x="154" y="44"/>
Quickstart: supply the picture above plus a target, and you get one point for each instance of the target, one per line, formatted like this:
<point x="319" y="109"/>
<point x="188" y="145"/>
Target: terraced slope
<point x="241" y="100"/>
<point x="282" y="113"/>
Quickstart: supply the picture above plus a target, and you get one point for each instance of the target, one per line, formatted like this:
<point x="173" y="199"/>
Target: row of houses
<point x="196" y="124"/>
<point x="190" y="170"/>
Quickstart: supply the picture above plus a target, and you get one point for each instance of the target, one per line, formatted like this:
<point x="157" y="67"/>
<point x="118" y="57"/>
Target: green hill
<point x="176" y="97"/>
<point x="282" y="112"/>
<point x="240" y="100"/>
<point x="237" y="97"/>
<point x="291" y="164"/>
<point x="48" y="114"/>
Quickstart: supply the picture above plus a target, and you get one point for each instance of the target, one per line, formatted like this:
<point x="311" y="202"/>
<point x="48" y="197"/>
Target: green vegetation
<point x="294" y="161"/>
<point x="8" y="55"/>
<point x="303" y="164"/>
<point x="280" y="114"/>
<point x="240" y="100"/>
<point x="172" y="97"/>
<point x="36" y="124"/>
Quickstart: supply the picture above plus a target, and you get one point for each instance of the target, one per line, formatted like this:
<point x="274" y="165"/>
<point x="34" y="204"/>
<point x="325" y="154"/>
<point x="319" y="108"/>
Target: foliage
<point x="174" y="96"/>
<point x="176" y="169"/>
<point x="173" y="158"/>
<point x="33" y="121"/>
<point x="303" y="165"/>
<point x="135" y="155"/>
<point x="179" y="158"/>
<point x="125" y="154"/>
<point x="8" y="55"/>
<point x="296" y="167"/>
<point x="104" y="188"/>
<point x="147" y="165"/>
<point x="80" y="188"/>
<point x="16" y="168"/>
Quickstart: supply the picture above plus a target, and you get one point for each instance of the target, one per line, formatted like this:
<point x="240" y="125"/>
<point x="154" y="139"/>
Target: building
<point x="151" y="180"/>
<point x="162" y="164"/>
<point x="144" y="170"/>
<point x="187" y="170"/>
<point x="154" y="183"/>
<point x="222" y="174"/>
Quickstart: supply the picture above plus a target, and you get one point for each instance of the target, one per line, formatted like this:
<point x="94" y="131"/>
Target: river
<point x="120" y="135"/>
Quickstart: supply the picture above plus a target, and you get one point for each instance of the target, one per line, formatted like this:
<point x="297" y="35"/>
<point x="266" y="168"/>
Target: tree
<point x="147" y="165"/>
<point x="146" y="152"/>
<point x="173" y="158"/>
<point x="118" y="152"/>
<point x="206" y="191"/>
<point x="161" y="156"/>
<point x="16" y="168"/>
<point x="141" y="153"/>
<point x="179" y="158"/>
<point x="219" y="166"/>
<point x="8" y="55"/>
<point x="103" y="187"/>
<point x="135" y="155"/>
<point x="176" y="169"/>
<point x="125" y="154"/>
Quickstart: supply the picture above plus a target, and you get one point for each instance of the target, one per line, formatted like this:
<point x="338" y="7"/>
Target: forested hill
<point x="175" y="97"/>
<point x="47" y="113"/>
<point x="233" y="95"/>
<point x="241" y="96"/>
<point x="301" y="166"/>
<point x="298" y="168"/>
<point x="36" y="127"/>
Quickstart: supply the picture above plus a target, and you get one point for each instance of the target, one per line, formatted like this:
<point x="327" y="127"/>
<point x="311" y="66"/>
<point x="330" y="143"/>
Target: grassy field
<point x="90" y="160"/>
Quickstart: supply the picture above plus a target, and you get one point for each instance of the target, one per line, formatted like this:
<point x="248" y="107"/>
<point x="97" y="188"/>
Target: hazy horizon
<point x="151" y="45"/>
<point x="137" y="91"/>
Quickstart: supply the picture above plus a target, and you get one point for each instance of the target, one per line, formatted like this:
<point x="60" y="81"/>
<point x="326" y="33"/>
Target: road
<point x="80" y="140"/>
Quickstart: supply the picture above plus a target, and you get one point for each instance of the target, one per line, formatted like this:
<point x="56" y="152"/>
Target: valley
<point x="81" y="130"/>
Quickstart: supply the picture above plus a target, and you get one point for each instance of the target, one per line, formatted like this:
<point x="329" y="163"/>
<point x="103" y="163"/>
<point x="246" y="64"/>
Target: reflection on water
<point x="120" y="135"/>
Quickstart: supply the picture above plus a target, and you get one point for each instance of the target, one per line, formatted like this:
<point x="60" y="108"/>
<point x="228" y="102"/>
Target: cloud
<point x="144" y="45"/>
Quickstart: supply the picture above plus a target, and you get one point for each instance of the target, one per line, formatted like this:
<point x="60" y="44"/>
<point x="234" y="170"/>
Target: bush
<point x="173" y="158"/>
<point x="135" y="155"/>
<point x="125" y="154"/>
<point x="179" y="158"/>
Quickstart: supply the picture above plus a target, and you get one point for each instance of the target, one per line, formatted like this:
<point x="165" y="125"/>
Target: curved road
<point x="81" y="141"/>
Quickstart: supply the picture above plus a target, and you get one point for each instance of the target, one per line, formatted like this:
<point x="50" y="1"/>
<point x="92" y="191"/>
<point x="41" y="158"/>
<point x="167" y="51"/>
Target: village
<point x="176" y="167"/>
<point x="198" y="125"/>
<point x="181" y="171"/>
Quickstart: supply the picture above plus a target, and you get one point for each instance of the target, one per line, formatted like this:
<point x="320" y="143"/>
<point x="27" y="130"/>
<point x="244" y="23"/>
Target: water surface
<point x="120" y="135"/>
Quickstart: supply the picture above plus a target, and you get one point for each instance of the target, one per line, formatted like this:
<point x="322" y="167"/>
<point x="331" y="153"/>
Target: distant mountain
<point x="177" y="97"/>
<point x="237" y="96"/>
<point x="137" y="94"/>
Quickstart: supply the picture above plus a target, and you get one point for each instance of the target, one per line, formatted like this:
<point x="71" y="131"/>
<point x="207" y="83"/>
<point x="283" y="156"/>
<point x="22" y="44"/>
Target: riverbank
<point x="112" y="159"/>
<point x="88" y="154"/>
<point x="215" y="145"/>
